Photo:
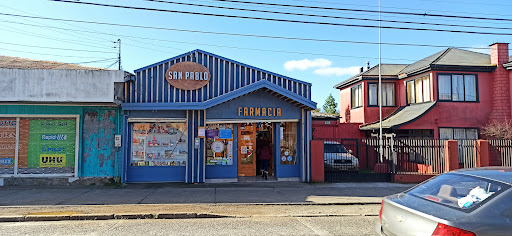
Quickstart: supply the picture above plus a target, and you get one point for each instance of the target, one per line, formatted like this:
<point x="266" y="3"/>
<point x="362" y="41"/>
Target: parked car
<point x="463" y="202"/>
<point x="336" y="157"/>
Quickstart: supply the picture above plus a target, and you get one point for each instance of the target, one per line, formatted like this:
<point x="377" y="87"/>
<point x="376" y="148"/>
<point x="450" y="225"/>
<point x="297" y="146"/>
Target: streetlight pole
<point x="381" y="151"/>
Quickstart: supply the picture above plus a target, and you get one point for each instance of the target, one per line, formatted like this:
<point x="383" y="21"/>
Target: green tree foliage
<point x="330" y="106"/>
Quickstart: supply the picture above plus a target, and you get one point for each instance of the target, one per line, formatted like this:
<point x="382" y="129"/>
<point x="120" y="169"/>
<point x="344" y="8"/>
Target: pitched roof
<point x="401" y="117"/>
<point x="449" y="57"/>
<point x="387" y="70"/>
<point x="25" y="63"/>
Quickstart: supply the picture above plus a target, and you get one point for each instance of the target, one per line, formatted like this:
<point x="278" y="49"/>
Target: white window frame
<point x="356" y="90"/>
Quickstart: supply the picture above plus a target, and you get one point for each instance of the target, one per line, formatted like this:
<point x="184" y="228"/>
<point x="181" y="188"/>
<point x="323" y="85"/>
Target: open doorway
<point x="255" y="143"/>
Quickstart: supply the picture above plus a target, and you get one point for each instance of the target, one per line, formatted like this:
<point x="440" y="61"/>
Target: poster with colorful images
<point x="7" y="142"/>
<point x="51" y="143"/>
<point x="219" y="144"/>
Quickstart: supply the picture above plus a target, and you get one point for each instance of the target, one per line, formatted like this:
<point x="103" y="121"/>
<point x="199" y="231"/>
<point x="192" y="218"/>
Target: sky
<point x="321" y="63"/>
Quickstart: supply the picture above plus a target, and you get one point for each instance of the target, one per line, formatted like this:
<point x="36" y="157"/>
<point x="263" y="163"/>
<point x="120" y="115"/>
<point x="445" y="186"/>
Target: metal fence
<point x="500" y="152"/>
<point x="419" y="156"/>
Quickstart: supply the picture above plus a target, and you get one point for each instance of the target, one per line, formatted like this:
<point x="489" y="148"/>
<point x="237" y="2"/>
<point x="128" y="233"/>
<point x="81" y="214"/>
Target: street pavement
<point x="172" y="201"/>
<point x="354" y="225"/>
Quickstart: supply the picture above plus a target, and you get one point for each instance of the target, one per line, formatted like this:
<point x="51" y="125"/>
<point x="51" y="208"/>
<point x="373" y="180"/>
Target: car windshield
<point x="459" y="191"/>
<point x="334" y="148"/>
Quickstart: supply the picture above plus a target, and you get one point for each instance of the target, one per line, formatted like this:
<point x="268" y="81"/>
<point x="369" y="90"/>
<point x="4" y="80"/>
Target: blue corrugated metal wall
<point x="227" y="75"/>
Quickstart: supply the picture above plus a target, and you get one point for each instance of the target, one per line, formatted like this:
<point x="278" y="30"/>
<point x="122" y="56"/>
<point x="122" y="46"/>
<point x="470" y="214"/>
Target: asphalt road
<point x="344" y="225"/>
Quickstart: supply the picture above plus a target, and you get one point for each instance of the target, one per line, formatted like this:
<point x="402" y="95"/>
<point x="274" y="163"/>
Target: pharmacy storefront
<point x="199" y="117"/>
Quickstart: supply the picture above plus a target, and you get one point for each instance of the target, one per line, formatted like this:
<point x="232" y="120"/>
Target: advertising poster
<point x="51" y="143"/>
<point x="225" y="134"/>
<point x="7" y="142"/>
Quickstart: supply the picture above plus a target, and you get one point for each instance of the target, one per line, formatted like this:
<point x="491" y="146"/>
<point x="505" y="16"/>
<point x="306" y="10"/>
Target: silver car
<point x="337" y="158"/>
<point x="463" y="202"/>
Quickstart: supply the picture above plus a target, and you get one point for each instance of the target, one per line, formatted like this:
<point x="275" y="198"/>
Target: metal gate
<point x="356" y="160"/>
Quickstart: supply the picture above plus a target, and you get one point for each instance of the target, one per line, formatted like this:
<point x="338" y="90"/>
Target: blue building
<point x="199" y="117"/>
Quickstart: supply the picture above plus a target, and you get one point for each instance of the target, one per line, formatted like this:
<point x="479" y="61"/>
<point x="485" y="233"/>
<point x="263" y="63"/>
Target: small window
<point x="388" y="94"/>
<point x="458" y="88"/>
<point x="458" y="133"/>
<point x="418" y="90"/>
<point x="356" y="96"/>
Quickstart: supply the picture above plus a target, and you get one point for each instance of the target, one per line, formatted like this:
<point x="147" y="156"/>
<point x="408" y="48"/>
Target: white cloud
<point x="338" y="71"/>
<point x="307" y="64"/>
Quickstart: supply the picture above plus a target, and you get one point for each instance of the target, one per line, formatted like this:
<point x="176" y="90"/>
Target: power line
<point x="66" y="49"/>
<point x="284" y="20"/>
<point x="369" y="11"/>
<point x="65" y="32"/>
<point x="332" y="17"/>
<point x="87" y="62"/>
<point x="404" y="8"/>
<point x="46" y="54"/>
<point x="233" y="34"/>
<point x="76" y="42"/>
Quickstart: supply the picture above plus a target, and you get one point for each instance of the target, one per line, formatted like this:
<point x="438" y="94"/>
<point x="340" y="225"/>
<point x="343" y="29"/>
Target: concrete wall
<point x="38" y="85"/>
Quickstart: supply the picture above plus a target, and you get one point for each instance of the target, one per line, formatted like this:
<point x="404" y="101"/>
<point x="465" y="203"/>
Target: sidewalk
<point x="188" y="201"/>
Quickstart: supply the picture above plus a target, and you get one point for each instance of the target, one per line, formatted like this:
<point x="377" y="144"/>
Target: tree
<point x="330" y="106"/>
<point x="498" y="130"/>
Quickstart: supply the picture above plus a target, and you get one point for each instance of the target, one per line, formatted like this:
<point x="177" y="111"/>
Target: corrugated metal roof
<point x="25" y="63"/>
<point x="403" y="116"/>
<point x="387" y="70"/>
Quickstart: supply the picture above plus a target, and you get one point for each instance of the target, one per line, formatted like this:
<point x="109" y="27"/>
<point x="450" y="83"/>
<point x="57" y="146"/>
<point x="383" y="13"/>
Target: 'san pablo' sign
<point x="187" y="75"/>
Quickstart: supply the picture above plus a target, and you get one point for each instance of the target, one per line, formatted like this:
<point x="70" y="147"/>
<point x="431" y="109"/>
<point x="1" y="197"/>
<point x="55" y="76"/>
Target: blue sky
<point x="323" y="64"/>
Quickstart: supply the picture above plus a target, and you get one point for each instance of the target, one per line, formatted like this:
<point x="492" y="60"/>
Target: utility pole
<point x="380" y="94"/>
<point x="119" y="53"/>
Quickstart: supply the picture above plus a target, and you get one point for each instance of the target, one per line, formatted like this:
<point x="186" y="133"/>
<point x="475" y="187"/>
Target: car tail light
<point x="380" y="213"/>
<point x="446" y="230"/>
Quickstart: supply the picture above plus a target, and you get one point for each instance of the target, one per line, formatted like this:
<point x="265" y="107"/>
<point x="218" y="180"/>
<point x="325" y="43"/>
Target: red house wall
<point x="458" y="114"/>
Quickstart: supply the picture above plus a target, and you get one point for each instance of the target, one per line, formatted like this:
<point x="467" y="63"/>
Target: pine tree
<point x="330" y="105"/>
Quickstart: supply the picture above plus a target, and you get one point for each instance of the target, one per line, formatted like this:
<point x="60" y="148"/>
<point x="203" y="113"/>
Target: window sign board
<point x="225" y="134"/>
<point x="201" y="132"/>
<point x="187" y="75"/>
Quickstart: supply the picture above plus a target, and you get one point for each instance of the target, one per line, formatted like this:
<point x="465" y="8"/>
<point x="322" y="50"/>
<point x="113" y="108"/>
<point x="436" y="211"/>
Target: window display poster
<point x="7" y="142"/>
<point x="201" y="132"/>
<point x="51" y="143"/>
<point x="225" y="134"/>
<point x="212" y="133"/>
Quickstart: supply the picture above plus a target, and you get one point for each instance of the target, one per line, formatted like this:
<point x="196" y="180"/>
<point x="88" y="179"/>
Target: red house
<point x="449" y="95"/>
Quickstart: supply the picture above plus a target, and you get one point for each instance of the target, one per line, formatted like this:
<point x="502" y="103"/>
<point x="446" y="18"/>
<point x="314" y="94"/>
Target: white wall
<point x="40" y="85"/>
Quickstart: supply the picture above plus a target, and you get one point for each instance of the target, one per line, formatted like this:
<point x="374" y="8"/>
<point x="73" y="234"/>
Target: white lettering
<point x="180" y="75"/>
<point x="187" y="74"/>
<point x="191" y="75"/>
<point x="197" y="76"/>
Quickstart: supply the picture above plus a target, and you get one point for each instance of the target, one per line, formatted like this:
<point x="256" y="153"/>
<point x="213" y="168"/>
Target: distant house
<point x="449" y="95"/>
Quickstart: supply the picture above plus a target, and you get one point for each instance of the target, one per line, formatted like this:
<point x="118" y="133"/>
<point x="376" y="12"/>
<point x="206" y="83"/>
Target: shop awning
<point x="265" y="85"/>
<point x="401" y="117"/>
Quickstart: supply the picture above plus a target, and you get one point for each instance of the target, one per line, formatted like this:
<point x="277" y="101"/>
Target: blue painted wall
<point x="227" y="75"/>
<point x="261" y="99"/>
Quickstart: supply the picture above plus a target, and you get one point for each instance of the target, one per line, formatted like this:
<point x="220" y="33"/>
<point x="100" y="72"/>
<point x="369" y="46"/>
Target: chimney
<point x="361" y="69"/>
<point x="501" y="96"/>
<point x="499" y="53"/>
<point x="367" y="65"/>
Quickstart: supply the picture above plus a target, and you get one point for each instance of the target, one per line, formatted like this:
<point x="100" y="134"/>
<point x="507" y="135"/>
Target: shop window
<point x="7" y="145"/>
<point x="288" y="143"/>
<point x="159" y="144"/>
<point x="457" y="88"/>
<point x="219" y="144"/>
<point x="418" y="90"/>
<point x="356" y="96"/>
<point x="388" y="94"/>
<point x="45" y="146"/>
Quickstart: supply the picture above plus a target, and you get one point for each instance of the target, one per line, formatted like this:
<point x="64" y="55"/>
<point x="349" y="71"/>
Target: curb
<point x="34" y="218"/>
